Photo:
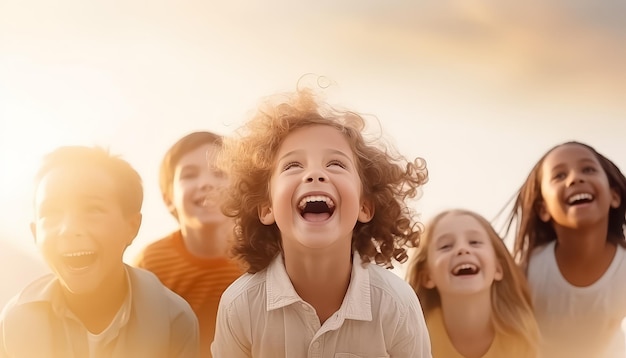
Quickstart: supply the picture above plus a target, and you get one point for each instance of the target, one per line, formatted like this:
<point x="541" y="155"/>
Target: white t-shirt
<point x="578" y="321"/>
<point x="97" y="341"/>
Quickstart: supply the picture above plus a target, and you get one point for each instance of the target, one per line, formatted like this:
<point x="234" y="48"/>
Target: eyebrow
<point x="580" y="161"/>
<point x="442" y="237"/>
<point x="466" y="232"/>
<point x="189" y="166"/>
<point x="331" y="151"/>
<point x="52" y="200"/>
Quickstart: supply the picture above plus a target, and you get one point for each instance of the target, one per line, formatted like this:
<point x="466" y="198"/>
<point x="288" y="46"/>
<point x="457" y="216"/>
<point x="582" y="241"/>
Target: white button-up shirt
<point x="261" y="315"/>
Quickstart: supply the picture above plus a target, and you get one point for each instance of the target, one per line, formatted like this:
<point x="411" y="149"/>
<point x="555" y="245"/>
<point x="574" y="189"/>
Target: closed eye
<point x="188" y="176"/>
<point x="337" y="163"/>
<point x="291" y="165"/>
<point x="589" y="170"/>
<point x="94" y="209"/>
<point x="189" y="172"/>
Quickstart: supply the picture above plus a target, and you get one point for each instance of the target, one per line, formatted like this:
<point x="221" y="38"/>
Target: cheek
<point x="179" y="193"/>
<point x="434" y="264"/>
<point x="42" y="238"/>
<point x="47" y="248"/>
<point x="222" y="183"/>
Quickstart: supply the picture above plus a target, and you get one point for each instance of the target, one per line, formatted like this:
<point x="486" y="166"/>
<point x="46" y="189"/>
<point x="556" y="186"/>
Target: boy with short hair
<point x="192" y="261"/>
<point x="87" y="211"/>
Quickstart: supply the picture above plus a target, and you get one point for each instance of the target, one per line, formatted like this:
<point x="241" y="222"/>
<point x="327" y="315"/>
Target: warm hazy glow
<point x="479" y="89"/>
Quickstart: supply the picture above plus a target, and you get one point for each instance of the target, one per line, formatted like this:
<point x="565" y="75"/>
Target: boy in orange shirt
<point x="192" y="261"/>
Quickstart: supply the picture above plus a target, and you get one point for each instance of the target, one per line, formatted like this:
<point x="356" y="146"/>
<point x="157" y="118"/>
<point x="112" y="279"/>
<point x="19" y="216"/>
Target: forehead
<point x="72" y="181"/>
<point x="321" y="137"/>
<point x="568" y="153"/>
<point x="202" y="155"/>
<point x="454" y="223"/>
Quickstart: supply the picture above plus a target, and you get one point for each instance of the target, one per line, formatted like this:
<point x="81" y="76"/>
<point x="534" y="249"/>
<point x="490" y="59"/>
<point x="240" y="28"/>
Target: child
<point x="570" y="216"/>
<point x="192" y="260"/>
<point x="315" y="205"/>
<point x="87" y="211"/>
<point x="475" y="298"/>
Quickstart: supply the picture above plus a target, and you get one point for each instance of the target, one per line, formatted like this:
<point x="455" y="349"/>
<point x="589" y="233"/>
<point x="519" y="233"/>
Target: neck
<point x="582" y="243"/>
<point x="207" y="241"/>
<point x="469" y="323"/>
<point x="321" y="280"/>
<point x="583" y="255"/>
<point x="97" y="309"/>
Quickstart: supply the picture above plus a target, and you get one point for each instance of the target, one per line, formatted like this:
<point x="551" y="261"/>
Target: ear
<point x="616" y="199"/>
<point x="544" y="215"/>
<point x="265" y="215"/>
<point x="134" y="223"/>
<point x="168" y="203"/>
<point x="499" y="274"/>
<point x="367" y="211"/>
<point x="426" y="281"/>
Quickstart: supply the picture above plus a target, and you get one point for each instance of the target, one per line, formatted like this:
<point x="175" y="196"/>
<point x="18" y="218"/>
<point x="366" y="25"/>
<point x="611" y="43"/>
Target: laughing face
<point x="315" y="190"/>
<point x="575" y="189"/>
<point x="461" y="257"/>
<point x="194" y="198"/>
<point x="80" y="227"/>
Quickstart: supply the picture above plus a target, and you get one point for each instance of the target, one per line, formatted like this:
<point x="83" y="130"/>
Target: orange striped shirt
<point x="199" y="281"/>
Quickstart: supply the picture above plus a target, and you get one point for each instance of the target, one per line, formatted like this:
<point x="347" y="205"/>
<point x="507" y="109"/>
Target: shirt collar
<point x="50" y="291"/>
<point x="356" y="304"/>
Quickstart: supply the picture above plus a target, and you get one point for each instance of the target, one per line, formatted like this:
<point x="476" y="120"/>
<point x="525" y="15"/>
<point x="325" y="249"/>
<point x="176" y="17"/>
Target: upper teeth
<point x="464" y="267"/>
<point x="312" y="198"/>
<point x="580" y="196"/>
<point x="78" y="253"/>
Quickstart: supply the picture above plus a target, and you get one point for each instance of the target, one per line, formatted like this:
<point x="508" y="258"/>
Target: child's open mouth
<point x="465" y="270"/>
<point x="79" y="260"/>
<point x="202" y="202"/>
<point x="316" y="207"/>
<point x="581" y="198"/>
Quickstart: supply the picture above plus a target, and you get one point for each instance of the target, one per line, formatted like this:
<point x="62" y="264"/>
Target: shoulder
<point x="542" y="253"/>
<point x="153" y="253"/>
<point x="163" y="243"/>
<point x="392" y="295"/>
<point x="542" y="266"/>
<point x="38" y="290"/>
<point x="245" y="289"/>
<point x="148" y="291"/>
<point x="31" y="304"/>
<point x="388" y="282"/>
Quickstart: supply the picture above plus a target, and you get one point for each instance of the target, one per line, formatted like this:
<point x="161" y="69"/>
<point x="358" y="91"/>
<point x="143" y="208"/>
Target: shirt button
<point x="316" y="344"/>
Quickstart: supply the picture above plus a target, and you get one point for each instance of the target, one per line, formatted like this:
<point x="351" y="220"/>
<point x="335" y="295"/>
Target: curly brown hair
<point x="532" y="232"/>
<point x="388" y="181"/>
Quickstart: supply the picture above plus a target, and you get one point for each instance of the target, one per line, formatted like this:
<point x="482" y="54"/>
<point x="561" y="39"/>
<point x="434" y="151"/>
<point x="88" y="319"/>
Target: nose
<point x="204" y="181"/>
<point x="314" y="175"/>
<point x="69" y="227"/>
<point x="574" y="177"/>
<point x="205" y="185"/>
<point x="462" y="250"/>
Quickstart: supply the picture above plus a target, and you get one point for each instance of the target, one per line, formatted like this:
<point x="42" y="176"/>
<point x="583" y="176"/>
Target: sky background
<point x="480" y="90"/>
